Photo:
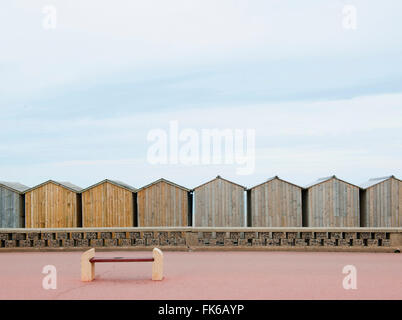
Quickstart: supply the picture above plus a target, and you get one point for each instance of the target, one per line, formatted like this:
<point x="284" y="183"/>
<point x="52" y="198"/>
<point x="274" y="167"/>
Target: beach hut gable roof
<point x="114" y="182"/>
<point x="275" y="178"/>
<point x="14" y="186"/>
<point x="65" y="184"/>
<point x="374" y="181"/>
<point x="219" y="177"/>
<point x="325" y="179"/>
<point x="166" y="181"/>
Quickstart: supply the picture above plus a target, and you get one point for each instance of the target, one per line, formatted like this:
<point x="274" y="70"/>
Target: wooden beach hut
<point x="164" y="204"/>
<point x="106" y="204"/>
<point x="275" y="203"/>
<point x="12" y="207"/>
<point x="381" y="203"/>
<point x="331" y="202"/>
<point x="219" y="203"/>
<point x="53" y="204"/>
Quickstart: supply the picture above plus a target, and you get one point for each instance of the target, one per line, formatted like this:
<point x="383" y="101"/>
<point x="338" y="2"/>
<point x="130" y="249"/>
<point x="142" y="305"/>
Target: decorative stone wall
<point x="72" y="239"/>
<point x="294" y="239"/>
<point x="200" y="238"/>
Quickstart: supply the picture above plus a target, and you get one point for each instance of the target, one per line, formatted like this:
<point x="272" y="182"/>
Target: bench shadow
<point x="108" y="278"/>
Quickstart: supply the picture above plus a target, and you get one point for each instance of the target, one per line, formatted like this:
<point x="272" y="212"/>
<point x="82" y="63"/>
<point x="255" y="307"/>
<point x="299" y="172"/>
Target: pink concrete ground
<point x="206" y="275"/>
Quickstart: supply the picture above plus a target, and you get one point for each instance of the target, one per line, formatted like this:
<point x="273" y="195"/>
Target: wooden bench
<point x="88" y="261"/>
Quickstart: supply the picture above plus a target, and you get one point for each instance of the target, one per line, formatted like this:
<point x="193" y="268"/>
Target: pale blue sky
<point x="77" y="101"/>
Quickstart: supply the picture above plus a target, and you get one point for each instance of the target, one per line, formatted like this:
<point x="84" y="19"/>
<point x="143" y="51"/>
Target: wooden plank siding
<point x="332" y="203"/>
<point x="107" y="205"/>
<point x="219" y="203"/>
<point x="11" y="209"/>
<point x="52" y="206"/>
<point x="163" y="204"/>
<point x="382" y="204"/>
<point x="276" y="203"/>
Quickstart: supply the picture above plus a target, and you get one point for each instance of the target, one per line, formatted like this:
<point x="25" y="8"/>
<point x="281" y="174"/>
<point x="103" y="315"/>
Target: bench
<point x="88" y="261"/>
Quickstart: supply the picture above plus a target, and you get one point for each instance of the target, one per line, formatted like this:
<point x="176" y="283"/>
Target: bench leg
<point x="87" y="268"/>
<point x="157" y="265"/>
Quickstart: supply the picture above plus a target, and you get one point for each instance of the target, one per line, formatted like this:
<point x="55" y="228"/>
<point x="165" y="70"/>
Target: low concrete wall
<point x="298" y="239"/>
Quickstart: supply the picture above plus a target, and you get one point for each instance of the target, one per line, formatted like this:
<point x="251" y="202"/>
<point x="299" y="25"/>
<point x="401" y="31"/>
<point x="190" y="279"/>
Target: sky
<point x="79" y="99"/>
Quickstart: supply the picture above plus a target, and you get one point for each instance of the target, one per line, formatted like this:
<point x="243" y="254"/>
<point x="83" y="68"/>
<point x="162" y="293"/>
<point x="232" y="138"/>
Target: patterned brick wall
<point x="63" y="239"/>
<point x="193" y="237"/>
<point x="294" y="239"/>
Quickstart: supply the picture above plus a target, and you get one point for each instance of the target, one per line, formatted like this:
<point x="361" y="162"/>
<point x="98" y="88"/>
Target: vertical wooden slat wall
<point x="51" y="206"/>
<point x="107" y="205"/>
<point x="276" y="203"/>
<point x="11" y="209"/>
<point x="333" y="203"/>
<point x="162" y="204"/>
<point x="219" y="203"/>
<point x="382" y="204"/>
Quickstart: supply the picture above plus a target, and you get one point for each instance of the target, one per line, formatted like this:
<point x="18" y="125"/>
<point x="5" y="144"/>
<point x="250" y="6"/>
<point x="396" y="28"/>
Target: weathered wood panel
<point x="219" y="203"/>
<point x="11" y="209"/>
<point x="276" y="203"/>
<point x="382" y="204"/>
<point x="162" y="204"/>
<point x="332" y="203"/>
<point x="51" y="206"/>
<point x="107" y="205"/>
